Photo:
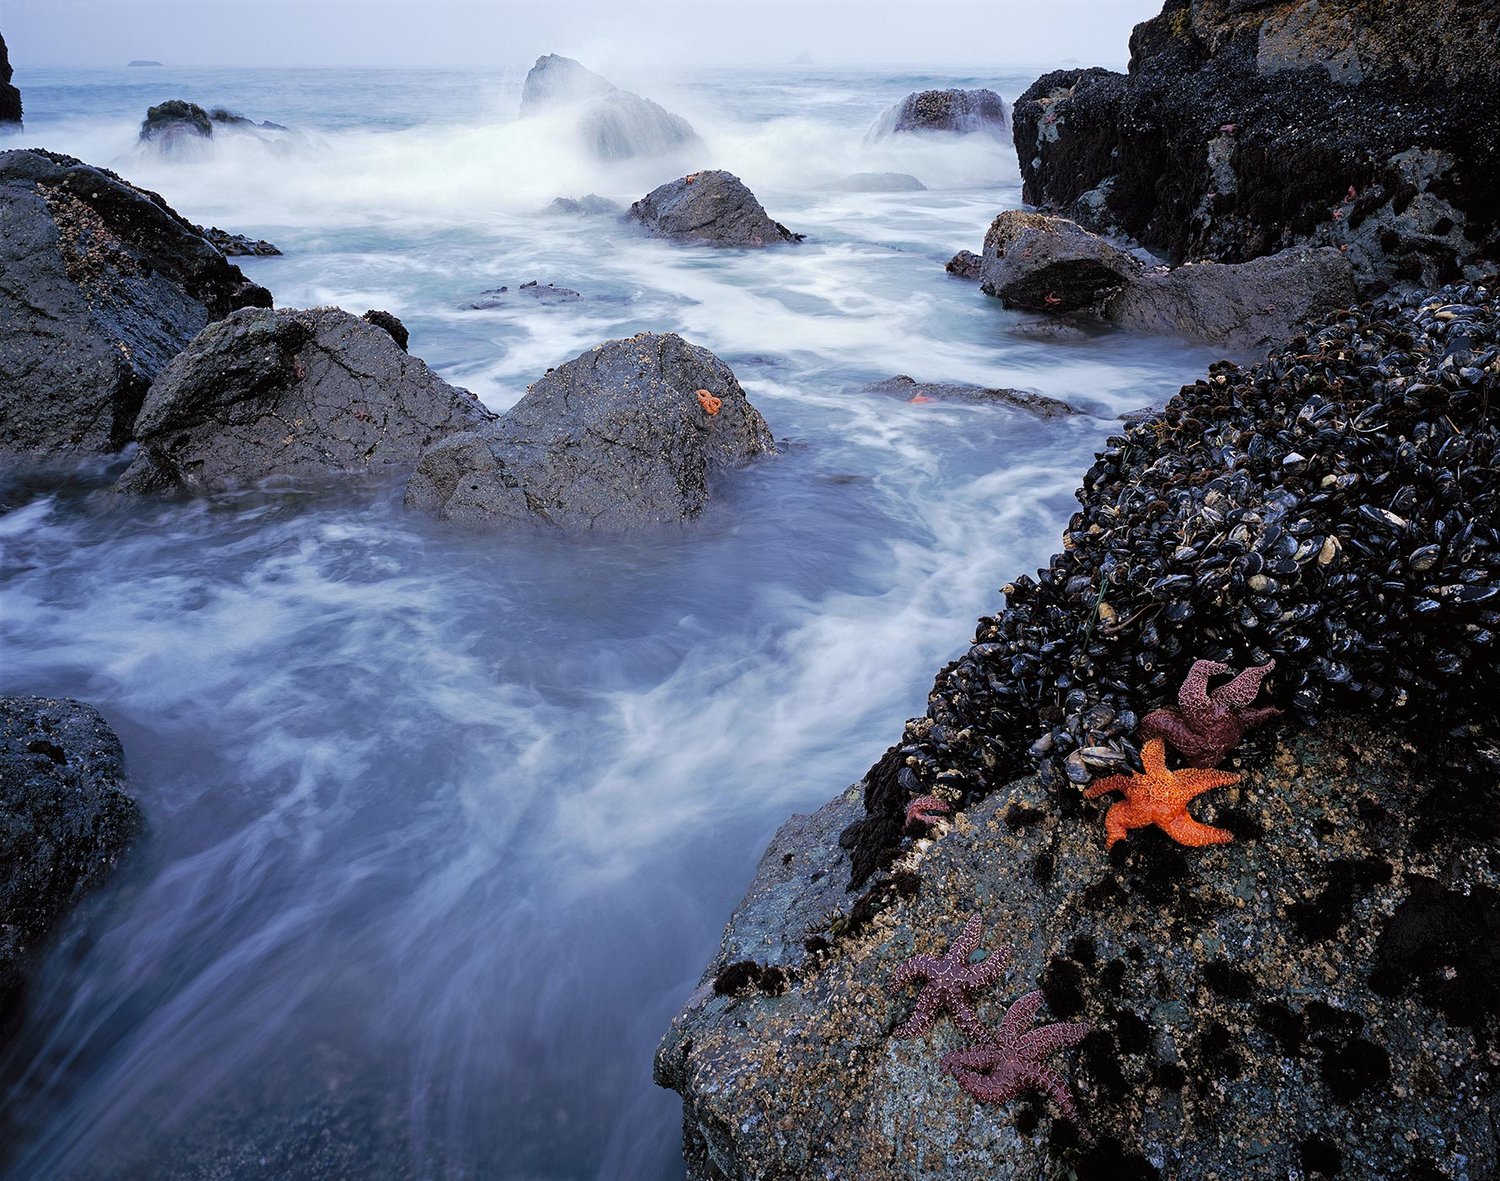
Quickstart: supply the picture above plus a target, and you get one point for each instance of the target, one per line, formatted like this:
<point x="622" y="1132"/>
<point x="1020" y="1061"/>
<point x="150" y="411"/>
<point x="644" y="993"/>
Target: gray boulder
<point x="238" y="245"/>
<point x="965" y="265"/>
<point x="65" y="820"/>
<point x="879" y="182"/>
<point x="101" y="284"/>
<point x="627" y="436"/>
<point x="962" y="111"/>
<point x="1242" y="307"/>
<point x="1299" y="994"/>
<point x="532" y="291"/>
<point x="299" y="393"/>
<point x="1043" y="263"/>
<point x="709" y="209"/>
<point x="176" y="125"/>
<point x="613" y="123"/>
<point x="10" y="97"/>
<point x="908" y="389"/>
<point x="589" y="205"/>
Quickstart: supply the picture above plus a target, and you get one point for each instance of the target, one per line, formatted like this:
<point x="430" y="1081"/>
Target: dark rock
<point x="617" y="439"/>
<point x="1245" y="129"/>
<point x="104" y="284"/>
<point x="614" y="124"/>
<point x="10" y="97"/>
<point x="810" y="1084"/>
<point x="226" y="118"/>
<point x="879" y="182"/>
<point x="910" y="390"/>
<point x="589" y="205"/>
<point x="709" y="209"/>
<point x="545" y="294"/>
<point x="292" y="393"/>
<point x="391" y="324"/>
<point x="1243" y="307"/>
<point x="139" y="62"/>
<point x="176" y="124"/>
<point x="238" y="245"/>
<point x="961" y="111"/>
<point x="965" y="265"/>
<point x="66" y="817"/>
<point x="1050" y="264"/>
<point x="1058" y="330"/>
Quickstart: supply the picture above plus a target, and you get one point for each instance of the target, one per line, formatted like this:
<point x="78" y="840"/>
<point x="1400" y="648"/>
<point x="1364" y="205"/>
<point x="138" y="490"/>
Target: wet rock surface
<point x="171" y="124"/>
<point x="66" y="818"/>
<point x="709" y="209"/>
<point x="1041" y="263"/>
<point x="965" y="265"/>
<point x="1248" y="1004"/>
<point x="614" y="124"/>
<point x="1245" y="129"/>
<point x="962" y="111"/>
<point x="627" y="436"/>
<point x="10" y="97"/>
<point x="101" y="284"/>
<point x="908" y="389"/>
<point x="589" y="205"/>
<point x="238" y="245"/>
<point x="291" y="393"/>
<point x="532" y="291"/>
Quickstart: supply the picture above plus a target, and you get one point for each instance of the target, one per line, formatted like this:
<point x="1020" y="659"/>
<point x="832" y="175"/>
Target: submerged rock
<point x="532" y="291"/>
<point x="104" y="285"/>
<point x="291" y="393"/>
<point x="1050" y="264"/>
<point x="709" y="209"/>
<point x="613" y="123"/>
<point x="911" y="390"/>
<point x="174" y="123"/>
<point x="627" y="436"/>
<point x="964" y="112"/>
<point x="589" y="205"/>
<point x="10" y="97"/>
<point x="1244" y="129"/>
<point x="66" y="818"/>
<point x="879" y="182"/>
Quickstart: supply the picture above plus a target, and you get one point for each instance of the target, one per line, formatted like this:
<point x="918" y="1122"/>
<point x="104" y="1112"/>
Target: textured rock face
<point x="911" y="390"/>
<point x="1050" y="264"/>
<point x="65" y="820"/>
<point x="1244" y="129"/>
<point x="10" y="97"/>
<point x="290" y="393"/>
<point x="709" y="209"/>
<point x="961" y="111"/>
<point x="614" y="124"/>
<point x="1302" y="995"/>
<point x="626" y="436"/>
<point x="101" y="284"/>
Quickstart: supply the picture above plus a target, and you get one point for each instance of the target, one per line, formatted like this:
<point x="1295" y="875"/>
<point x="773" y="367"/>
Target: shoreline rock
<point x="10" y="97"/>
<point x="958" y="112"/>
<point x="709" y="209"/>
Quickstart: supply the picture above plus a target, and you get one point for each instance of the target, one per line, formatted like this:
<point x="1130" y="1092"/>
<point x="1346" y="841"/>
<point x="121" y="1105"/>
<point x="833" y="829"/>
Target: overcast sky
<point x="514" y="32"/>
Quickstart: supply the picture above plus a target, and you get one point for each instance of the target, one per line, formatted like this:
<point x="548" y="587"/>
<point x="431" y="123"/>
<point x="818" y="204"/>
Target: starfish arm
<point x="1190" y="784"/>
<point x="1120" y="819"/>
<point x="1049" y="1039"/>
<point x="1241" y="691"/>
<point x="975" y="1059"/>
<point x="1047" y="1081"/>
<point x="1168" y="724"/>
<point x="989" y="969"/>
<point x="1193" y="696"/>
<point x="999" y="1087"/>
<point x="1154" y="759"/>
<point x="1018" y="1017"/>
<point x="919" y="1022"/>
<point x="962" y="947"/>
<point x="1186" y="831"/>
<point x="1251" y="718"/>
<point x="968" y="1021"/>
<point x="1106" y="785"/>
<point x="919" y="967"/>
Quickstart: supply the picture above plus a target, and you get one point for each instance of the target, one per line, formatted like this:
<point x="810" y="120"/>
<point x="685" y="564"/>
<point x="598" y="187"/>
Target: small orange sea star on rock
<point x="1012" y="1061"/>
<point x="948" y="981"/>
<point x="709" y="402"/>
<point x="1160" y="797"/>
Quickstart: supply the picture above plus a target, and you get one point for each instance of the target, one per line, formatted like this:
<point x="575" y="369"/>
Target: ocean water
<point x="444" y="827"/>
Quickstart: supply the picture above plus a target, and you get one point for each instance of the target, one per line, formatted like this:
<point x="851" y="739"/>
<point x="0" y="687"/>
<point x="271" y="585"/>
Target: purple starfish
<point x="1012" y="1063"/>
<point x="1204" y="726"/>
<point x="947" y="981"/>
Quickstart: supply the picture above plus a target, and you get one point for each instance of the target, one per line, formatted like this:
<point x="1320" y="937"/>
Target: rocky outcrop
<point x="589" y="205"/>
<point x="1317" y="994"/>
<point x="909" y="389"/>
<point x="290" y="393"/>
<point x="879" y="182"/>
<point x="66" y="817"/>
<point x="101" y="284"/>
<point x="965" y="265"/>
<point x="238" y="245"/>
<point x="709" y="209"/>
<point x="532" y="292"/>
<point x="391" y="324"/>
<point x="963" y="112"/>
<point x="1243" y="129"/>
<point x="174" y="124"/>
<point x="10" y="97"/>
<point x="613" y="124"/>
<point x="627" y="436"/>
<point x="1037" y="262"/>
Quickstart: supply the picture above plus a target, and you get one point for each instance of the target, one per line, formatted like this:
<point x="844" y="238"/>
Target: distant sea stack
<point x="613" y="123"/>
<point x="1244" y="129"/>
<point x="138" y="63"/>
<point x="10" y="97"/>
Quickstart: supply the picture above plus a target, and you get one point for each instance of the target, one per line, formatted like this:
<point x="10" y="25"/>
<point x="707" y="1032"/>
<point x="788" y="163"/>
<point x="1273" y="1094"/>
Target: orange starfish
<point x="709" y="402"/>
<point x="1160" y="797"/>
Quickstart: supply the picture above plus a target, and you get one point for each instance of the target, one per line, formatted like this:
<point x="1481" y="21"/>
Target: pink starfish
<point x="1204" y="727"/>
<point x="925" y="810"/>
<point x="948" y="980"/>
<point x="1012" y="1062"/>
